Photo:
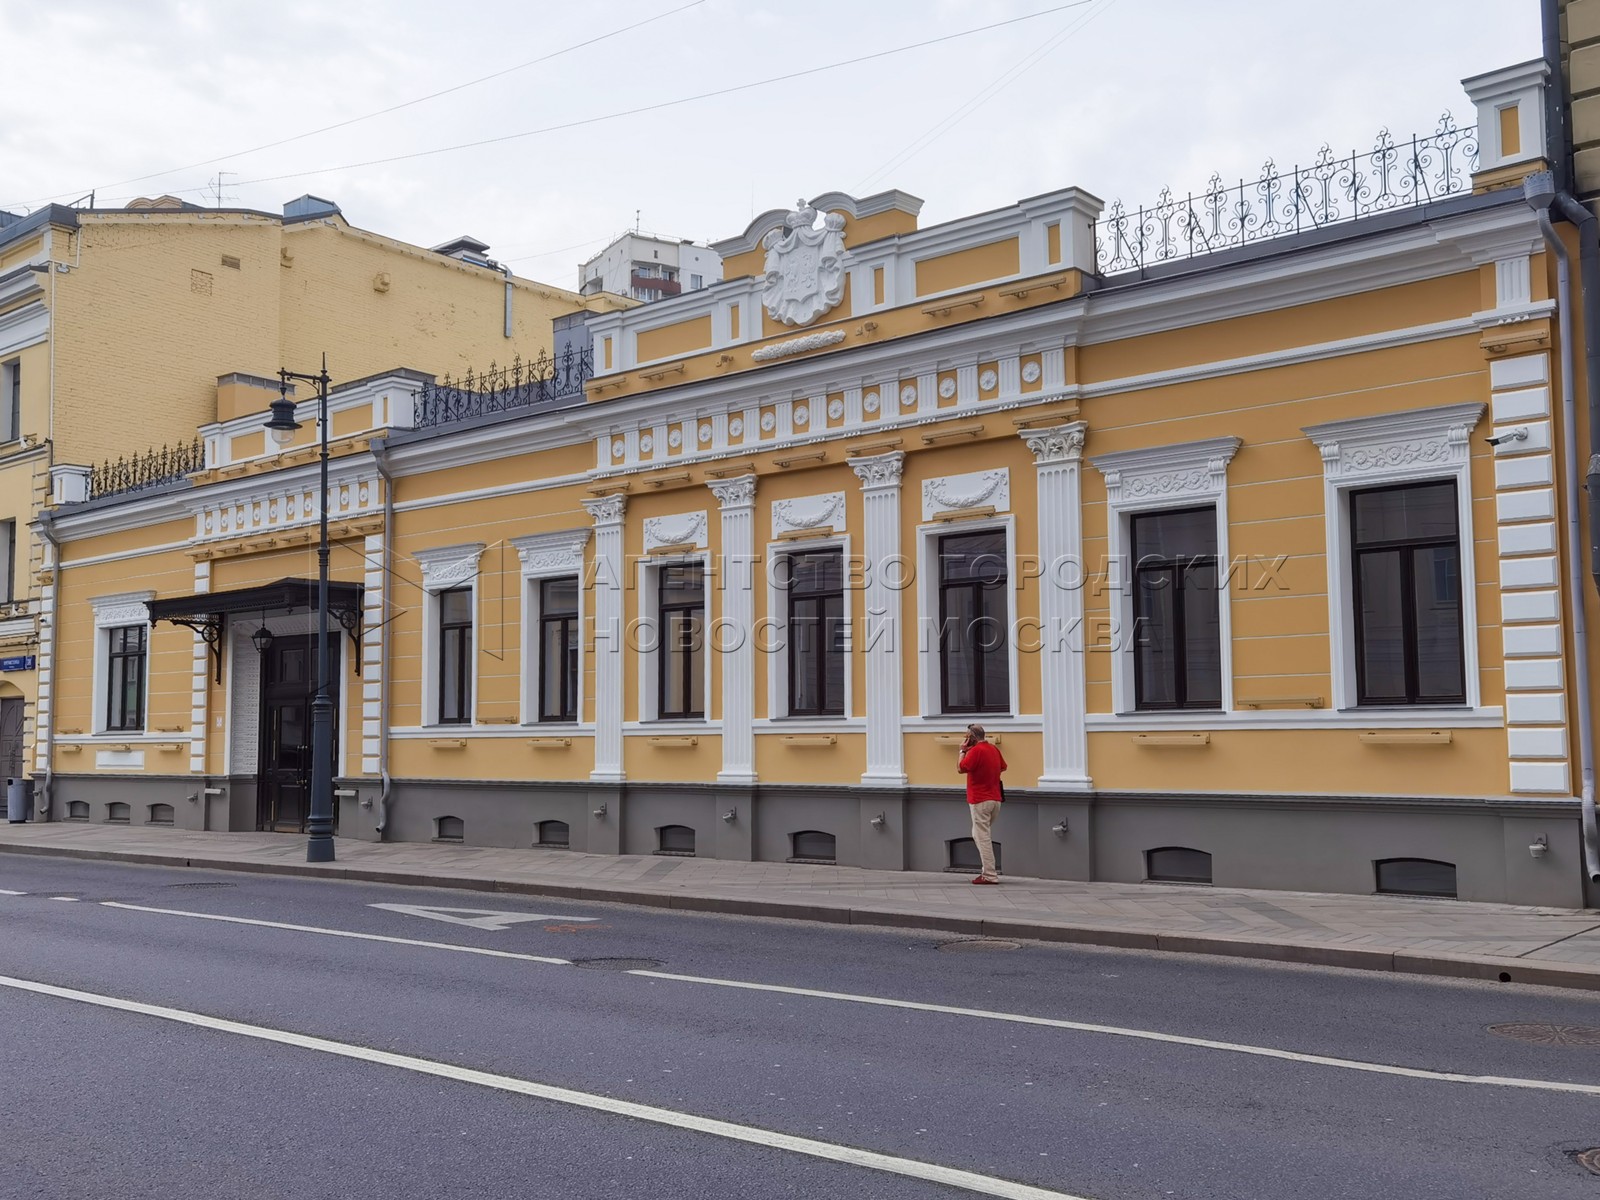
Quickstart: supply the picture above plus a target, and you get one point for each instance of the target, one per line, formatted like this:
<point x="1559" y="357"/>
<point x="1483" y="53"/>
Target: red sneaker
<point x="981" y="879"/>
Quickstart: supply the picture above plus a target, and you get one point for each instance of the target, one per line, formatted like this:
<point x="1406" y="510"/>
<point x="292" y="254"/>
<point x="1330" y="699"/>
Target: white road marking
<point x="66" y="899"/>
<point x="344" y="933"/>
<point x="986" y="1185"/>
<point x="1149" y="1035"/>
<point x="9" y="892"/>
<point x="478" y="918"/>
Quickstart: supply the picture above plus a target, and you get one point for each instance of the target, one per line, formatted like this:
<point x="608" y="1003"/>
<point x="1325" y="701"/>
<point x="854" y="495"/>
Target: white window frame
<point x="1163" y="479"/>
<point x="650" y="652"/>
<point x="117" y="612"/>
<point x="929" y="661"/>
<point x="777" y="625"/>
<point x="1424" y="445"/>
<point x="445" y="569"/>
<point x="550" y="556"/>
<point x="10" y="419"/>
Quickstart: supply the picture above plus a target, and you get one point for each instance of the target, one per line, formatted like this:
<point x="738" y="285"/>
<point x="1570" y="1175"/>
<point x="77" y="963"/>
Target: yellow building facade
<point x="1239" y="522"/>
<point x="126" y="334"/>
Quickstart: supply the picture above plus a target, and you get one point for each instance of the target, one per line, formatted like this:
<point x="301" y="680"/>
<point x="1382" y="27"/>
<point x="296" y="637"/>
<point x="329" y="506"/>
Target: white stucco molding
<point x="680" y="529"/>
<point x="557" y="553"/>
<point x="123" y="608"/>
<point x="975" y="489"/>
<point x="448" y="566"/>
<point x="822" y="512"/>
<point x="1183" y="472"/>
<point x="1391" y="446"/>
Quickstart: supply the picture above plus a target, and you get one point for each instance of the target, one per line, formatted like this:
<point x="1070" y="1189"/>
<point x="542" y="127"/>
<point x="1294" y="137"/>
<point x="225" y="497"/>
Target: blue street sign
<point x="20" y="662"/>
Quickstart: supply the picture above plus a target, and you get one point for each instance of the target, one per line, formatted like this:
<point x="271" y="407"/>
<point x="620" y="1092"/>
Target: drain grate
<point x="978" y="944"/>
<point x="618" y="964"/>
<point x="1589" y="1160"/>
<point x="1549" y="1035"/>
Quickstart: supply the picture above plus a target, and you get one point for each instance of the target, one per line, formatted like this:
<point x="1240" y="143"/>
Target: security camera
<point x="1519" y="434"/>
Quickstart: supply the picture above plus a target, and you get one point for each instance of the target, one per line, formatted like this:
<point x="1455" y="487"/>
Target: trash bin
<point x="19" y="799"/>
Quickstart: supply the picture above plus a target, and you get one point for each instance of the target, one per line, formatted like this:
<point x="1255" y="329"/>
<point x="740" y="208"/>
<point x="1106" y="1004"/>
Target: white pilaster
<point x="733" y="636"/>
<point x="1057" y="456"/>
<point x="373" y="632"/>
<point x="609" y="628"/>
<point x="200" y="681"/>
<point x="880" y="487"/>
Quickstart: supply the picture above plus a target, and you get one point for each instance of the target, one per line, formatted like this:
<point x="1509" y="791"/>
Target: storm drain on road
<point x="1550" y="1035"/>
<point x="618" y="964"/>
<point x="978" y="944"/>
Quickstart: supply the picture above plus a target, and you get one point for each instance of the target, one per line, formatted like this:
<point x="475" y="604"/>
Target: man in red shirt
<point x="982" y="763"/>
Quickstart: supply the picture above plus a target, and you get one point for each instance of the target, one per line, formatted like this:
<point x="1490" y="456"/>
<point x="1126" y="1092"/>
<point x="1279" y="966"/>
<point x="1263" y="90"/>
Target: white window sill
<point x="1454" y="717"/>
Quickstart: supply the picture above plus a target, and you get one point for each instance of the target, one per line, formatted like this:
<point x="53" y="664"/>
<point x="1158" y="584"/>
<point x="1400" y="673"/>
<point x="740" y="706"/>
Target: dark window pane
<point x="1406" y="562"/>
<point x="1417" y="877"/>
<point x="1437" y="589"/>
<point x="559" y="597"/>
<point x="1425" y="512"/>
<point x="813" y="843"/>
<point x="1185" y="533"/>
<point x="681" y="584"/>
<point x="455" y="606"/>
<point x="1202" y="636"/>
<point x="958" y="659"/>
<point x="1178" y="864"/>
<point x="979" y="557"/>
<point x="676" y="839"/>
<point x="1156" y="676"/>
<point x="1382" y="622"/>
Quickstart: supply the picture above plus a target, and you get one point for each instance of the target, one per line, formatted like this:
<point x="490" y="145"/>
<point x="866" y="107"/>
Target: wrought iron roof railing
<point x="529" y="384"/>
<point x="165" y="464"/>
<point x="1391" y="176"/>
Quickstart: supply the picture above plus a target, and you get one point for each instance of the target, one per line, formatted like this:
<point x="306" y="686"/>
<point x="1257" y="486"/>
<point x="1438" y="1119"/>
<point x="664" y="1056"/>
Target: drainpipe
<point x="380" y="456"/>
<point x="46" y="802"/>
<point x="1540" y="192"/>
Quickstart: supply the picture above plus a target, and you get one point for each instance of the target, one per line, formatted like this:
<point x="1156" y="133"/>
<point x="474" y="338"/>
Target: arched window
<point x="161" y="814"/>
<point x="552" y="833"/>
<point x="675" y="839"/>
<point x="78" y="810"/>
<point x="1177" y="864"/>
<point x="1417" y="877"/>
<point x="118" y="812"/>
<point x="964" y="855"/>
<point x="812" y="845"/>
<point x="451" y="829"/>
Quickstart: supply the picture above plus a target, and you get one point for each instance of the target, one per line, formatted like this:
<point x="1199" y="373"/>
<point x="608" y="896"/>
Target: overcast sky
<point x="1119" y="97"/>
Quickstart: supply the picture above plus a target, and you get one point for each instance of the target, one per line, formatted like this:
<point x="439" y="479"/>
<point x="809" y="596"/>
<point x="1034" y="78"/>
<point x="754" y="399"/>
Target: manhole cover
<point x="617" y="964"/>
<point x="198" y="885"/>
<point x="1589" y="1160"/>
<point x="980" y="944"/>
<point x="1550" y="1035"/>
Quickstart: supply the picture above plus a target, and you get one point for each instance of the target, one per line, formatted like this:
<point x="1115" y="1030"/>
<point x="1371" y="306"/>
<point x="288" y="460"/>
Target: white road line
<point x="1149" y="1035"/>
<point x="1321" y="1060"/>
<point x="67" y="899"/>
<point x="9" y="892"/>
<point x="986" y="1185"/>
<point x="344" y="933"/>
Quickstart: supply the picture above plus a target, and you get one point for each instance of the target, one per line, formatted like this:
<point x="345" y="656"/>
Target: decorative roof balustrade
<point x="1391" y="176"/>
<point x="538" y="381"/>
<point x="164" y="464"/>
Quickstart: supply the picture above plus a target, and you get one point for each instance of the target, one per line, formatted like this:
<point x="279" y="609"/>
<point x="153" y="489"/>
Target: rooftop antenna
<point x="217" y="194"/>
<point x="636" y="220"/>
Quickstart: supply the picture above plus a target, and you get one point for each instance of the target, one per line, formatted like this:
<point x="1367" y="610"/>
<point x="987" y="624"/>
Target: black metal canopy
<point x="206" y="612"/>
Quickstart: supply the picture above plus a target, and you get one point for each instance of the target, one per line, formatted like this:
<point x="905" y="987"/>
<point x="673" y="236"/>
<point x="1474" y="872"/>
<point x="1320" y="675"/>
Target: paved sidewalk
<point x="1552" y="946"/>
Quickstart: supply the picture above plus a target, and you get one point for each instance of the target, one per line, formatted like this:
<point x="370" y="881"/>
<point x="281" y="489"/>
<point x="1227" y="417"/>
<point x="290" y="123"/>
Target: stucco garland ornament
<point x="804" y="266"/>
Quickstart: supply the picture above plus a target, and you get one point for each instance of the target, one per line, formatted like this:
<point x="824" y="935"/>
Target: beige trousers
<point x="983" y="814"/>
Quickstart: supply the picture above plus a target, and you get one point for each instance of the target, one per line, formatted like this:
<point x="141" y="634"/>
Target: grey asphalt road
<point x="99" y="1101"/>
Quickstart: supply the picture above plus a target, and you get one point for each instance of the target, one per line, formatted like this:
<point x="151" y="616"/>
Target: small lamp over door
<point x="262" y="639"/>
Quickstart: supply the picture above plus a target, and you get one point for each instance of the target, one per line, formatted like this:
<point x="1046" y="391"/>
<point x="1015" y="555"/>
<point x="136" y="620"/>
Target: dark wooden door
<point x="288" y="686"/>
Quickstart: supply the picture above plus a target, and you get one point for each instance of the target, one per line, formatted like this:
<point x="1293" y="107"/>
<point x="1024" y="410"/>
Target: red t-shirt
<point x="982" y="766"/>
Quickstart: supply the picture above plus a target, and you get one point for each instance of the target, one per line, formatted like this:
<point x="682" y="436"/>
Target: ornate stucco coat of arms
<point x="804" y="267"/>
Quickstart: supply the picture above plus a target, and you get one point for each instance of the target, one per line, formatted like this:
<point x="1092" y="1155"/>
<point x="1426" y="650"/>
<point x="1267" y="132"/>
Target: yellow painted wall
<point x="683" y="337"/>
<point x="965" y="268"/>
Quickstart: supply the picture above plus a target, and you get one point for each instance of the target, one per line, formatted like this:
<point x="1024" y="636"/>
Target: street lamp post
<point x="319" y="825"/>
